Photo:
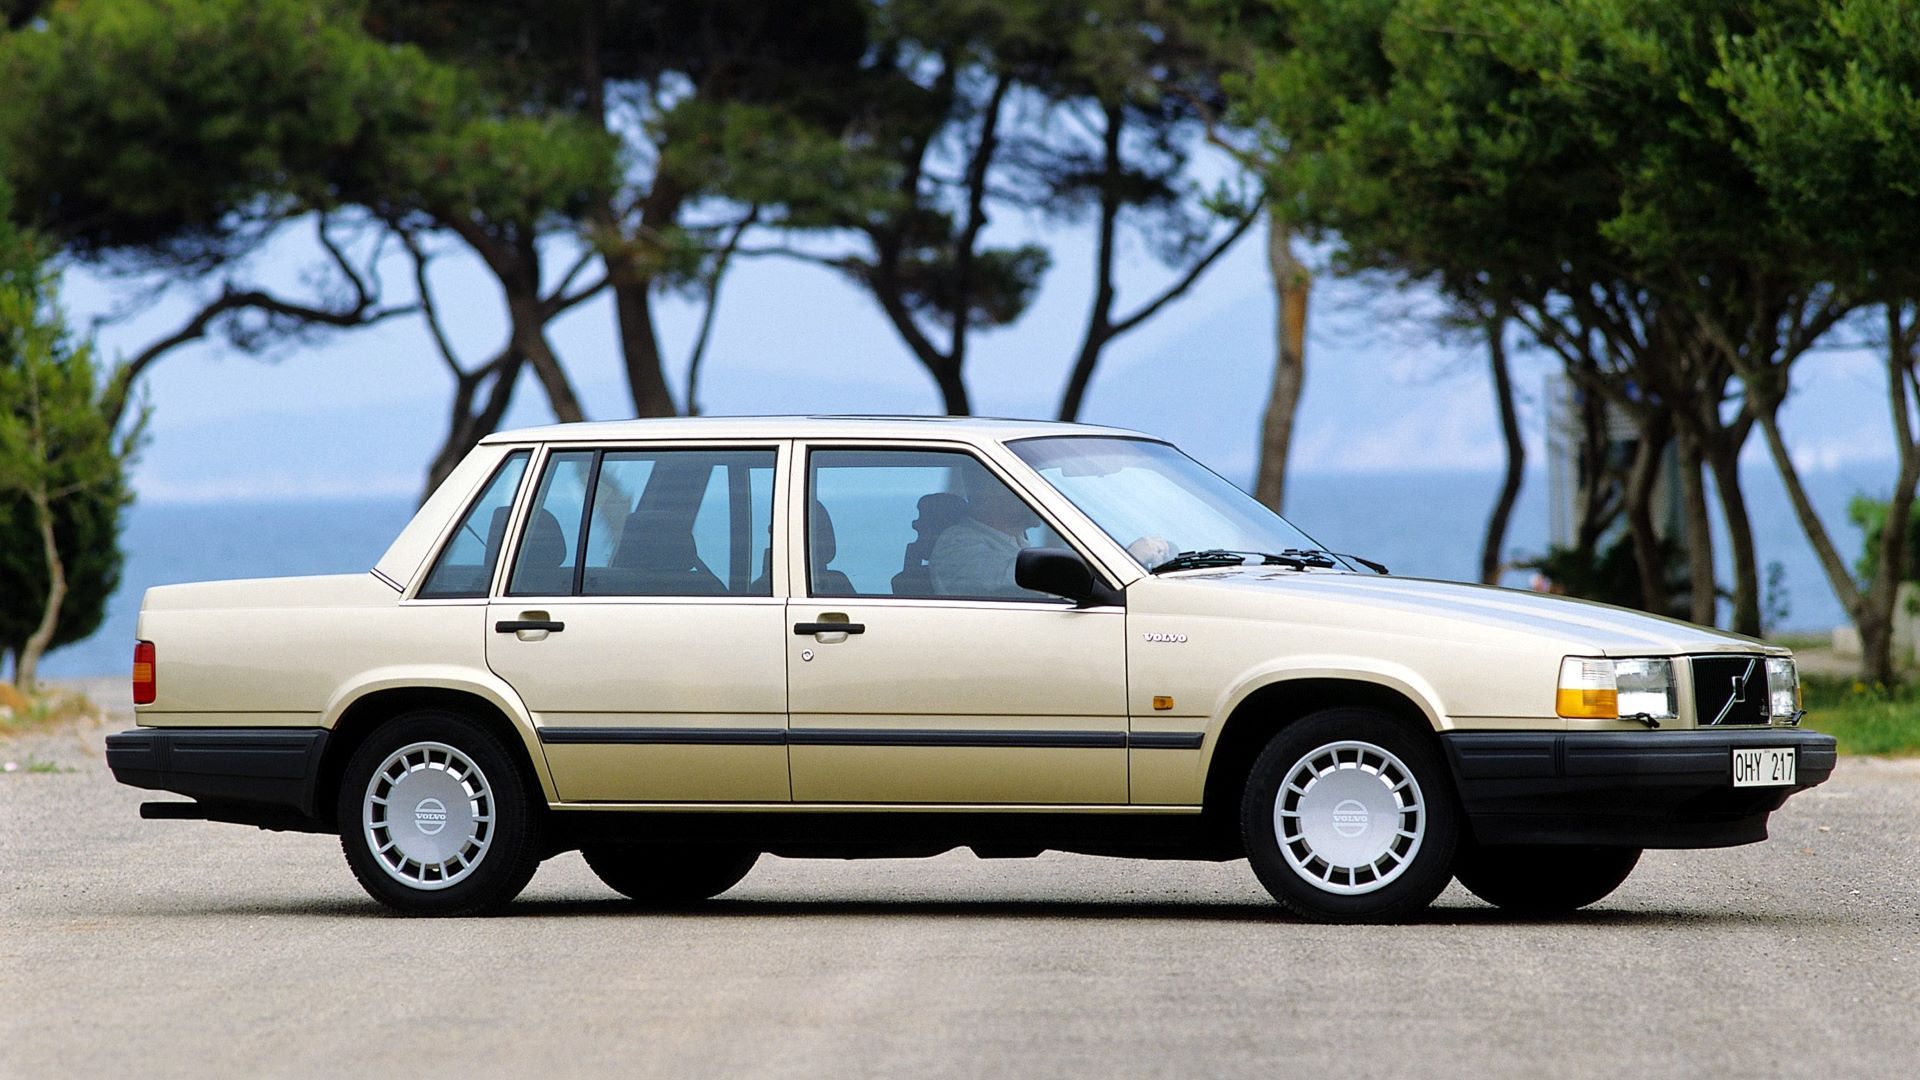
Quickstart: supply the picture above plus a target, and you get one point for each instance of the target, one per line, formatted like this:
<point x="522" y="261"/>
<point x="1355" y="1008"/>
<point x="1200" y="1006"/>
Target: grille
<point x="1729" y="690"/>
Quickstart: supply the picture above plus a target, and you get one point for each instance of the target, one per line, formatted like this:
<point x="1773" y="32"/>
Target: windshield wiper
<point x="1293" y="558"/>
<point x="1196" y="560"/>
<point x="1300" y="560"/>
<point x="1329" y="556"/>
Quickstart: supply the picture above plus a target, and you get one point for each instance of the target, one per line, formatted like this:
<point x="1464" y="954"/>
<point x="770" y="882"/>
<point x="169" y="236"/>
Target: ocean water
<point x="1426" y="524"/>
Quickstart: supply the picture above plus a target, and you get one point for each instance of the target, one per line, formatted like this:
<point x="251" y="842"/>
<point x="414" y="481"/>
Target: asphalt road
<point x="131" y="948"/>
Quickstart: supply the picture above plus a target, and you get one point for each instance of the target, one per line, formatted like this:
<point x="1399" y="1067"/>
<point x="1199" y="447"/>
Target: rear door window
<point x="678" y="522"/>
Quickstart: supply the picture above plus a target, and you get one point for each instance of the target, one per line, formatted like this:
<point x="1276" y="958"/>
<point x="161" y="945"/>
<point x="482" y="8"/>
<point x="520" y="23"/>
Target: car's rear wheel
<point x="436" y="818"/>
<point x="1539" y="879"/>
<point x="1349" y="816"/>
<point x="669" y="875"/>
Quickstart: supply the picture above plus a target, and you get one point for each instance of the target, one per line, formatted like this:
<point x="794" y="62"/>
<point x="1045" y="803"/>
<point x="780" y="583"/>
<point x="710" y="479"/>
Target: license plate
<point x="1768" y="766"/>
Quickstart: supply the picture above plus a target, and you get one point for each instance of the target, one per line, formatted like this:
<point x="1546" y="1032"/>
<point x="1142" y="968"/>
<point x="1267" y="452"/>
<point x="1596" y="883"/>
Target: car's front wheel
<point x="669" y="875"/>
<point x="1349" y="816"/>
<point x="435" y="817"/>
<point x="1538" y="879"/>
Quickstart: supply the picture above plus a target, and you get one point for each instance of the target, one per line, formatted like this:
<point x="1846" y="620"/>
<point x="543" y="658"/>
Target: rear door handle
<point x="805" y="628"/>
<point x="515" y="626"/>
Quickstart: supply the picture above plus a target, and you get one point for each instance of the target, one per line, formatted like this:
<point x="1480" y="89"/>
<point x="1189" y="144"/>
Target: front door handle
<point x="517" y="626"/>
<point x="805" y="628"/>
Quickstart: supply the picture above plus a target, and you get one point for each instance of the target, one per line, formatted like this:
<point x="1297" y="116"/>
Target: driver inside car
<point x="975" y="556"/>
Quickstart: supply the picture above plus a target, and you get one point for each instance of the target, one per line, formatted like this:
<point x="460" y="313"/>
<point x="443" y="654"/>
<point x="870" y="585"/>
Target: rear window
<point x="465" y="566"/>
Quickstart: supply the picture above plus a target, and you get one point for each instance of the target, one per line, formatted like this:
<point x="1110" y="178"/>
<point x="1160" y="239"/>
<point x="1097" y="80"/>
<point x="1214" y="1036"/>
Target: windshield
<point x="1156" y="501"/>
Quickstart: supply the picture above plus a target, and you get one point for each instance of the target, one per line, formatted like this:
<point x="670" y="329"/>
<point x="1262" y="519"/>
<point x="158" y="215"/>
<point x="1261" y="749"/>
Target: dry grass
<point x="21" y="714"/>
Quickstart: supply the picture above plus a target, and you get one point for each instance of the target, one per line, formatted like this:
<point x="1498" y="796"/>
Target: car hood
<point x="1422" y="605"/>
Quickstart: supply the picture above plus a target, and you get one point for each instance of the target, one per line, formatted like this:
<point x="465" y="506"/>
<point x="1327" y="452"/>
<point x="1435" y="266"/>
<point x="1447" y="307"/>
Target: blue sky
<point x="353" y="413"/>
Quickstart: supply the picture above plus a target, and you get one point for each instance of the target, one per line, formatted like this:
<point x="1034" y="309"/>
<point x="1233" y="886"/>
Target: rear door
<point x="950" y="684"/>
<point x="639" y="621"/>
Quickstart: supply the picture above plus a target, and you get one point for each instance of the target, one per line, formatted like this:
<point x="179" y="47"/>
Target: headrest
<point x="939" y="510"/>
<point x="496" y="529"/>
<point x="821" y="528"/>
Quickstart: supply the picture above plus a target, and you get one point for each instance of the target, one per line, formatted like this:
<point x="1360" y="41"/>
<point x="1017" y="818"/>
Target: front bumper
<point x="255" y="776"/>
<point x="1654" y="789"/>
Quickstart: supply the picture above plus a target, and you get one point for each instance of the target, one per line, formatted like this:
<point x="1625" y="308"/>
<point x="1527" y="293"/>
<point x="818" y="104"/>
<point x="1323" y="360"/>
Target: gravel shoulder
<point x="189" y="948"/>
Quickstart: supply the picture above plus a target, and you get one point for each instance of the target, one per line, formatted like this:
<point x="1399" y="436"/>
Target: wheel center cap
<point x="430" y="817"/>
<point x="1350" y="818"/>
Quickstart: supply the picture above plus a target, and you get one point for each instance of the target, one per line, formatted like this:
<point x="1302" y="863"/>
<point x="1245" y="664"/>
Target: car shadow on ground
<point x="1075" y="910"/>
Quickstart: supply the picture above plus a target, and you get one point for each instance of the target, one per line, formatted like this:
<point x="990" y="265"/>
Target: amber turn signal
<point x="1588" y="690"/>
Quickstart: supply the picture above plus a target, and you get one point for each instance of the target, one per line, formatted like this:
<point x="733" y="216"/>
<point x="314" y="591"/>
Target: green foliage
<point x="186" y="129"/>
<point x="66" y="455"/>
<point x="1870" y="516"/>
<point x="1867" y="718"/>
<point x="1829" y="105"/>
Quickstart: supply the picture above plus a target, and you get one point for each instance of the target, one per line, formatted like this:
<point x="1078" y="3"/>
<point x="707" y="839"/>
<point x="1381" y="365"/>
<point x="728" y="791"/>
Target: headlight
<point x="1646" y="688"/>
<point x="1783" y="690"/>
<point x="1600" y="689"/>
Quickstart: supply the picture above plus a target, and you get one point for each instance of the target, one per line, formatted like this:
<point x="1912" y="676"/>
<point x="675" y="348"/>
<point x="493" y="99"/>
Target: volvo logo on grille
<point x="1739" y="694"/>
<point x="1350" y="818"/>
<point x="430" y="817"/>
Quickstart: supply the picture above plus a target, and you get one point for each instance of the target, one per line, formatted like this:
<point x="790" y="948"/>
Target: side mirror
<point x="1058" y="572"/>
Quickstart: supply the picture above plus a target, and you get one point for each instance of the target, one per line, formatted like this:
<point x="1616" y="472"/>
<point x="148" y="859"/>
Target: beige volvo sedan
<point x="677" y="645"/>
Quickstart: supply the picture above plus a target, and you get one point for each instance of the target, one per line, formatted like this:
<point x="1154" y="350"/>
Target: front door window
<point x="917" y="524"/>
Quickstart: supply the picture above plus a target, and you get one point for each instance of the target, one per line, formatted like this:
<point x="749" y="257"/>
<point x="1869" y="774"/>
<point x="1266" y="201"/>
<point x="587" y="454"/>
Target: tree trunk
<point x="640" y="346"/>
<point x="466" y="428"/>
<point x="1640" y="528"/>
<point x="1703" y="590"/>
<point x="1876" y="649"/>
<point x="1291" y="283"/>
<point x="1881" y="597"/>
<point x="26" y="671"/>
<point x="1724" y="460"/>
<point x="1490" y="564"/>
<point x="1082" y="374"/>
<point x="530" y="341"/>
<point x="953" y="390"/>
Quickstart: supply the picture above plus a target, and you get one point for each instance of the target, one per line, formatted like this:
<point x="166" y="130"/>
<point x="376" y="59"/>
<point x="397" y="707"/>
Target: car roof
<point x="968" y="428"/>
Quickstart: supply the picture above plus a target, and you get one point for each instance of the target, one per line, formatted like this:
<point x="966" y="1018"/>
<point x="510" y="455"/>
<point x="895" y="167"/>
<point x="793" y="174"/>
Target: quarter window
<point x="916" y="523"/>
<point x="650" y="523"/>
<point x="465" y="566"/>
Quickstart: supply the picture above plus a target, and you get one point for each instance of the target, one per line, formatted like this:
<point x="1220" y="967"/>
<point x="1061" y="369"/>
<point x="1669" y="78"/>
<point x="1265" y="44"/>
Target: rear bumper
<point x="263" y="776"/>
<point x="1654" y="789"/>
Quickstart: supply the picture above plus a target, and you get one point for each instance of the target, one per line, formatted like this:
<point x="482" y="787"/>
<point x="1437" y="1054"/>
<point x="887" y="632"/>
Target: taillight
<point x="144" y="677"/>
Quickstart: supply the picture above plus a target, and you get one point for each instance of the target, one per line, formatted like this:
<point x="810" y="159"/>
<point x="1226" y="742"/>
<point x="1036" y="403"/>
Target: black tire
<point x="669" y="875"/>
<point x="498" y="869"/>
<point x="1408" y="873"/>
<point x="1539" y="879"/>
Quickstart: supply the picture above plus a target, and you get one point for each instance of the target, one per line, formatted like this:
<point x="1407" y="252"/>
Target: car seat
<point x="539" y="569"/>
<point x="658" y="545"/>
<point x="826" y="580"/>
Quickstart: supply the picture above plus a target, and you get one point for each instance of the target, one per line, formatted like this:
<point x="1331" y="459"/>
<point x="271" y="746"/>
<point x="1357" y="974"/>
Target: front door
<point x="640" y="626"/>
<point x="918" y="671"/>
